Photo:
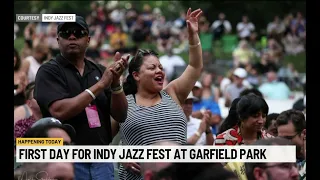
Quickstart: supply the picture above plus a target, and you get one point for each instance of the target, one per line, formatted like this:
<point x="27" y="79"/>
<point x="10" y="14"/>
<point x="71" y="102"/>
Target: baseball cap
<point x="51" y="120"/>
<point x="240" y="72"/>
<point x="198" y="84"/>
<point x="79" y="20"/>
<point x="191" y="96"/>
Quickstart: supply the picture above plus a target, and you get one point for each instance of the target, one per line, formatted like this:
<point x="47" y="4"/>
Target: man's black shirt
<point x="59" y="79"/>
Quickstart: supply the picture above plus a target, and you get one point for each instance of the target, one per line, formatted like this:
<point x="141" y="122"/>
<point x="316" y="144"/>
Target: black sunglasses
<point x="76" y="32"/>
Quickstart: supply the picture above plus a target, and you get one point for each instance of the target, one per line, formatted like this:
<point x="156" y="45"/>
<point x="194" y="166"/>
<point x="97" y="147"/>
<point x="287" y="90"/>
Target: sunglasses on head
<point x="78" y="33"/>
<point x="146" y="52"/>
<point x="142" y="52"/>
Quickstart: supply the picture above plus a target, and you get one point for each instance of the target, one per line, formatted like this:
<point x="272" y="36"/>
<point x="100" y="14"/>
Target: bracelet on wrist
<point x="91" y="93"/>
<point x="117" y="90"/>
<point x="193" y="46"/>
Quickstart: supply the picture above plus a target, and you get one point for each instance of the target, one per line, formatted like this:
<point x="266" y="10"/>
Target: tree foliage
<point x="259" y="12"/>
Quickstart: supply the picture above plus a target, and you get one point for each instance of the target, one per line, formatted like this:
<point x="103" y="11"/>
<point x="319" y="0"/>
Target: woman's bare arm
<point x="181" y="87"/>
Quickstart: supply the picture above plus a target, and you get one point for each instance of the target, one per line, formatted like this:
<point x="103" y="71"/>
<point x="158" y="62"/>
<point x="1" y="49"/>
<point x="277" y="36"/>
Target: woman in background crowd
<point x="243" y="126"/>
<point x="152" y="109"/>
<point x="26" y="115"/>
<point x="243" y="55"/>
<point x="209" y="91"/>
<point x="252" y="111"/>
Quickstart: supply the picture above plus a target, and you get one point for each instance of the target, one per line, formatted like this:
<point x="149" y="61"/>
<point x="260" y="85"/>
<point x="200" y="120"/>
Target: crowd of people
<point x="63" y="87"/>
<point x="124" y="30"/>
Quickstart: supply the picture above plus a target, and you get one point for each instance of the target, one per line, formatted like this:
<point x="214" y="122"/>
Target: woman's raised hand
<point x="192" y="20"/>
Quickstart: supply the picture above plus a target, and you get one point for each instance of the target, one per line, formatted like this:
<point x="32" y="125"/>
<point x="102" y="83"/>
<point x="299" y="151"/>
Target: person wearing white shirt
<point x="198" y="130"/>
<point x="117" y="15"/>
<point x="276" y="27"/>
<point x="32" y="63"/>
<point x="245" y="28"/>
<point x="169" y="61"/>
<point x="221" y="26"/>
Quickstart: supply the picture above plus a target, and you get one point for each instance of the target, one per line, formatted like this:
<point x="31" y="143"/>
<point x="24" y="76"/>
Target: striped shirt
<point x="147" y="125"/>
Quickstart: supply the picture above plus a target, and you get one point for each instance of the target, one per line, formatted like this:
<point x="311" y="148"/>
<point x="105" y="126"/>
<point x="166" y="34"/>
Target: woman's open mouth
<point x="159" y="79"/>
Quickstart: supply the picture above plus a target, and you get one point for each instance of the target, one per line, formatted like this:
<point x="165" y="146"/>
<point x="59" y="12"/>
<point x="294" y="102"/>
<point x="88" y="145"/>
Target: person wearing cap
<point x="236" y="87"/>
<point x="81" y="93"/>
<point x="198" y="130"/>
<point x="201" y="105"/>
<point x="49" y="128"/>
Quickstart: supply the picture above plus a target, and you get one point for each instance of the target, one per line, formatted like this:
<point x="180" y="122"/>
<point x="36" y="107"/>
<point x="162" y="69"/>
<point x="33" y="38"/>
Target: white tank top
<point x="33" y="68"/>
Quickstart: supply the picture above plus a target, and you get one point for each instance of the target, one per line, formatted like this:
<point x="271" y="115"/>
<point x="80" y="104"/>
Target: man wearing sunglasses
<point x="292" y="126"/>
<point x="82" y="93"/>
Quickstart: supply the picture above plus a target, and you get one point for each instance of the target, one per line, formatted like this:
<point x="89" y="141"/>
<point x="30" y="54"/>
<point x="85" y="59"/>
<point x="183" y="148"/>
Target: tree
<point x="260" y="13"/>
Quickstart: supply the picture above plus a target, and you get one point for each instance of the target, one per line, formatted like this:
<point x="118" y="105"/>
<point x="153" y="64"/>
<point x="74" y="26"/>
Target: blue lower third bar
<point x="28" y="17"/>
